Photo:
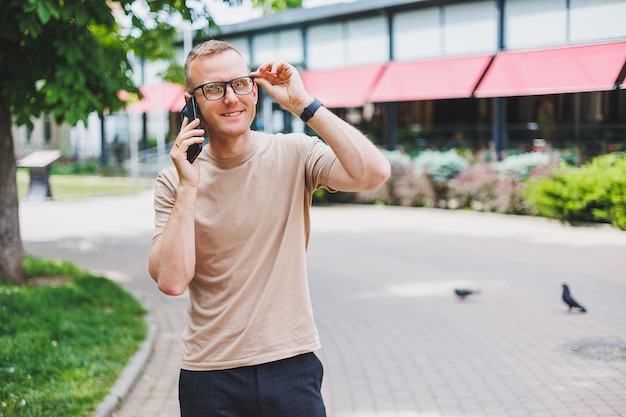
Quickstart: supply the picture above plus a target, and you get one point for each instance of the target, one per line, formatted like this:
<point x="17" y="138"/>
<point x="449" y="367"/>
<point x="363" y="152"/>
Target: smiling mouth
<point x="232" y="114"/>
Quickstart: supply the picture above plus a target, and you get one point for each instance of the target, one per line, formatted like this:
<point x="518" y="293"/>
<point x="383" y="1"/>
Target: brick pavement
<point x="395" y="342"/>
<point x="398" y="343"/>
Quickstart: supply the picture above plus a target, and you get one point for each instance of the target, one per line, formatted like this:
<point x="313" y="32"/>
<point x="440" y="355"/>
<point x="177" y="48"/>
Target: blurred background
<point x="491" y="78"/>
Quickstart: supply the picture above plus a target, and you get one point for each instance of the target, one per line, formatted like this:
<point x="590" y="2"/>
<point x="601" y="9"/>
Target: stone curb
<point x="131" y="372"/>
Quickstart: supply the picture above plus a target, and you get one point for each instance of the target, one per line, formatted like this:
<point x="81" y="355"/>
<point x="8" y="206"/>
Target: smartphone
<point x="191" y="111"/>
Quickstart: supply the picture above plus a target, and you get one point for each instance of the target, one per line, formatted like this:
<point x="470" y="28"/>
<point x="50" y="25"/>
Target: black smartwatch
<point x="310" y="110"/>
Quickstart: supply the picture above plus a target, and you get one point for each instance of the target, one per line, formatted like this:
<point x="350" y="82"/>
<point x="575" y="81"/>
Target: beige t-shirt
<point x="250" y="299"/>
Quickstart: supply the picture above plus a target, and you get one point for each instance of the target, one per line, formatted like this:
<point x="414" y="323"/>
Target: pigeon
<point x="571" y="303"/>
<point x="462" y="293"/>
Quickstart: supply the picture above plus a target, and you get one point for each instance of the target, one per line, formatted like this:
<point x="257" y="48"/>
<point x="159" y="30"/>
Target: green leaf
<point x="46" y="11"/>
<point x="82" y="53"/>
<point x="30" y="26"/>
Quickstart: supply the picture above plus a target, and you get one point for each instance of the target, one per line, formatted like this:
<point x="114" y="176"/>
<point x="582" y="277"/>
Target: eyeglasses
<point x="215" y="90"/>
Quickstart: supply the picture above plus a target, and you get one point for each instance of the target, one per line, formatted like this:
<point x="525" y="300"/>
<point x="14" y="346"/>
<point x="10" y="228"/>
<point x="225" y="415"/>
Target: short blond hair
<point x="208" y="48"/>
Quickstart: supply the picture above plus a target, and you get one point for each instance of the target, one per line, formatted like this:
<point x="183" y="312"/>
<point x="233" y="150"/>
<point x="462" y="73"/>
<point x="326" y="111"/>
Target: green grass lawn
<point x="79" y="186"/>
<point x="66" y="336"/>
<point x="64" y="343"/>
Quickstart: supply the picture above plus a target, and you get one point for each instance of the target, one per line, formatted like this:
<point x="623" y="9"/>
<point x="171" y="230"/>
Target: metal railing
<point x="150" y="162"/>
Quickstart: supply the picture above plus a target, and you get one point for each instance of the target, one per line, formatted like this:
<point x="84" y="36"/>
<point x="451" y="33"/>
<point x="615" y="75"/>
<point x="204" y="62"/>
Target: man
<point x="233" y="226"/>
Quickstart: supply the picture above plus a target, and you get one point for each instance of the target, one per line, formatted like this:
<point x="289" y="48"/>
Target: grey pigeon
<point x="462" y="293"/>
<point x="569" y="300"/>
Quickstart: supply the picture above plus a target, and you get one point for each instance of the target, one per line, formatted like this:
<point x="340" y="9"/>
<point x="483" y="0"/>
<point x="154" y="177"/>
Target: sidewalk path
<point x="396" y="342"/>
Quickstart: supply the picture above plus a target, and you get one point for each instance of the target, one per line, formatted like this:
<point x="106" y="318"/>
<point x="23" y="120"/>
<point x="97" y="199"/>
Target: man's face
<point x="232" y="114"/>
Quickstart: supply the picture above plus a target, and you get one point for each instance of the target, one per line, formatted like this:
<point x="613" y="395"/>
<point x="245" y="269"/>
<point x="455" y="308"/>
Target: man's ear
<point x="255" y="92"/>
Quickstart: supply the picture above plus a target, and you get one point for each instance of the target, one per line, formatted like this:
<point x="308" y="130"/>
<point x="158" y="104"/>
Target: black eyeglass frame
<point x="224" y="83"/>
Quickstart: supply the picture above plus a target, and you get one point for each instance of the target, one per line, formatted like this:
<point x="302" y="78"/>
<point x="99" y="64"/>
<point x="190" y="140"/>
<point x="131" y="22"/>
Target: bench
<point x="38" y="164"/>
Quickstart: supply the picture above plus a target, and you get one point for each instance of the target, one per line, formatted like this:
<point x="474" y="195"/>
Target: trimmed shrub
<point x="399" y="186"/>
<point x="522" y="165"/>
<point x="595" y="192"/>
<point x="526" y="184"/>
<point x="481" y="188"/>
<point x="474" y="188"/>
<point x="402" y="188"/>
<point x="438" y="168"/>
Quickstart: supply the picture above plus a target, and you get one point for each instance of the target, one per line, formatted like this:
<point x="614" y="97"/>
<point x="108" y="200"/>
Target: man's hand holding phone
<point x="192" y="112"/>
<point x="191" y="136"/>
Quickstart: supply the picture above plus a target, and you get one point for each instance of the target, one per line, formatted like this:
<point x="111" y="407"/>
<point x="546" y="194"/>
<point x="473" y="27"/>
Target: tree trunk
<point x="11" y="249"/>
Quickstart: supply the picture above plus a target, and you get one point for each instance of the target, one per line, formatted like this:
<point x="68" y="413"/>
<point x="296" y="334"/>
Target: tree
<point x="69" y="58"/>
<point x="276" y="5"/>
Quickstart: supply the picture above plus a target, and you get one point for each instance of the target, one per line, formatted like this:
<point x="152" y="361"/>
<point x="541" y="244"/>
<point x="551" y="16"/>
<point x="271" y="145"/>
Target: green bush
<point x="524" y="184"/>
<point x="477" y="187"/>
<point x="595" y="192"/>
<point x="398" y="188"/>
<point x="401" y="189"/>
<point x="482" y="188"/>
<point x="522" y="165"/>
<point x="440" y="166"/>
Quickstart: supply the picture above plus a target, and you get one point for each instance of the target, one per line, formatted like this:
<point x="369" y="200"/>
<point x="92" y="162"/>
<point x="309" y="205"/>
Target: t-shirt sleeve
<point x="319" y="160"/>
<point x="164" y="198"/>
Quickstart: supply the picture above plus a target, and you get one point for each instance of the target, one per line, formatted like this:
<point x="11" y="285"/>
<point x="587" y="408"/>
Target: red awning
<point x="166" y="96"/>
<point x="573" y="69"/>
<point x="430" y="79"/>
<point x="345" y="87"/>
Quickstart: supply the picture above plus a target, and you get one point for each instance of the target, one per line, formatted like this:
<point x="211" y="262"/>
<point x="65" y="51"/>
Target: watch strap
<point x="310" y="110"/>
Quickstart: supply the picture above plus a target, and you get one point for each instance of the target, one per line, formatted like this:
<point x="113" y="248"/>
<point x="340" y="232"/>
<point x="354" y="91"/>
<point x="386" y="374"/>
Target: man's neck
<point x="230" y="147"/>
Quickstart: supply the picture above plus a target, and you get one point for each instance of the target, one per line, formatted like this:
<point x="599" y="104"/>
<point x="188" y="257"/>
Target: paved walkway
<point x="396" y="342"/>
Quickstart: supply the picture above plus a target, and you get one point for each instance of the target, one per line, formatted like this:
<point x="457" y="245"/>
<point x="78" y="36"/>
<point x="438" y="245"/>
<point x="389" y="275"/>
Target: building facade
<point x="505" y="75"/>
<point x="493" y="76"/>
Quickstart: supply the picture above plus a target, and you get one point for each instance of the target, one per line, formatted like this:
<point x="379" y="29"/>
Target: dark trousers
<point x="285" y="388"/>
